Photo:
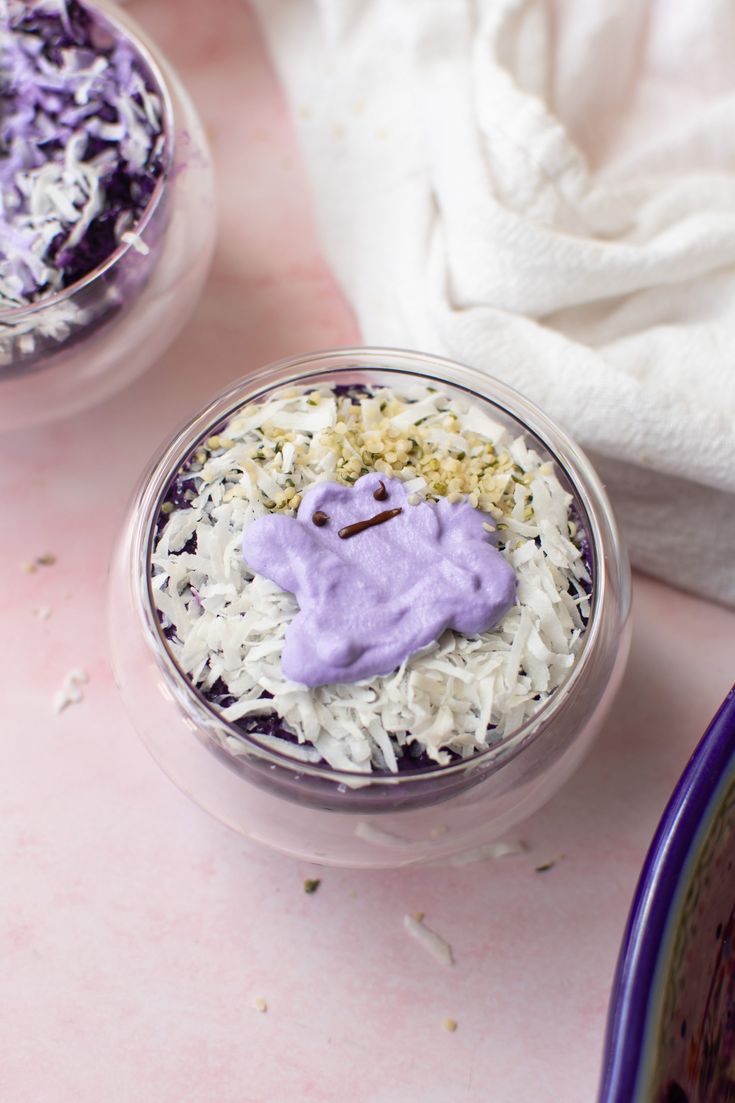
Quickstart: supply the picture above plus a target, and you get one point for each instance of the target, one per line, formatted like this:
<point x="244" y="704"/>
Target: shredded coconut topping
<point x="80" y="149"/>
<point x="454" y="698"/>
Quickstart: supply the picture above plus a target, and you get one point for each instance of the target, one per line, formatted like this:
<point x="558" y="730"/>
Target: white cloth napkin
<point x="546" y="190"/>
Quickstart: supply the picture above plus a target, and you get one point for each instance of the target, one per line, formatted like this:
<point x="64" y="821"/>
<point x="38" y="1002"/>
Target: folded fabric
<point x="546" y="191"/>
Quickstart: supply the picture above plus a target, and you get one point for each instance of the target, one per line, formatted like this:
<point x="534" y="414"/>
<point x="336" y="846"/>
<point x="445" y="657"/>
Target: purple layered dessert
<point x="375" y="578"/>
<point x="83" y="150"/>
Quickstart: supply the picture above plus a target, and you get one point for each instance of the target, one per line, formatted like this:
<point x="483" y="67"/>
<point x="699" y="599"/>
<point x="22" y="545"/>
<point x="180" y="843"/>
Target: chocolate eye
<point x="320" y="518"/>
<point x="380" y="493"/>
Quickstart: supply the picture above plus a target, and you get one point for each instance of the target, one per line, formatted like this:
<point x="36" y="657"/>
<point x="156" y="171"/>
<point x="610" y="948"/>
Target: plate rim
<point x="659" y="880"/>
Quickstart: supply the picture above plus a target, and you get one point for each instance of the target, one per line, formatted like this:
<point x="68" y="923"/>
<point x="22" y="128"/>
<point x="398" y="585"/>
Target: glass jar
<point x="72" y="349"/>
<point x="311" y="810"/>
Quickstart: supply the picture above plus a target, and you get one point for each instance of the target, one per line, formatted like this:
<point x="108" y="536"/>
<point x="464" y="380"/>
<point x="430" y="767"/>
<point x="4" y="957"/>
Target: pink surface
<point x="135" y="932"/>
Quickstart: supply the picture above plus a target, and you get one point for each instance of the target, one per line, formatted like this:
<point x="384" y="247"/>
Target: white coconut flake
<point x="457" y="696"/>
<point x="378" y="836"/>
<point x="70" y="692"/>
<point x="433" y="943"/>
<point x="494" y="851"/>
<point x="136" y="241"/>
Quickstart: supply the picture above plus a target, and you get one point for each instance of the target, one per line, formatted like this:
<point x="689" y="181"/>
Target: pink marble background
<point x="135" y="932"/>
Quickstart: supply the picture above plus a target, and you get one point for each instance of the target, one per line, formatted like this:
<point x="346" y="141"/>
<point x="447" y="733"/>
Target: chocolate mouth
<point x="368" y="523"/>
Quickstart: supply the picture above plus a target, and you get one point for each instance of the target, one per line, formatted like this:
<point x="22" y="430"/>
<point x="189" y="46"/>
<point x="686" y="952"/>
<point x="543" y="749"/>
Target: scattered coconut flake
<point x="42" y="612"/>
<point x="260" y="1004"/>
<point x="490" y="850"/>
<point x="70" y="692"/>
<point x="450" y="1025"/>
<point x="369" y="833"/>
<point x="433" y="943"/>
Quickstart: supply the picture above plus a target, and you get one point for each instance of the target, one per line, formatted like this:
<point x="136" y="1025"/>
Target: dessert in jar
<point x="376" y="587"/>
<point x="100" y="155"/>
<point x="380" y="575"/>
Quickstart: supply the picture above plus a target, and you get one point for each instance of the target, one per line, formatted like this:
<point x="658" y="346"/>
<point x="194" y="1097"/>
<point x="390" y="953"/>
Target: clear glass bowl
<point x="81" y="345"/>
<point x="313" y="811"/>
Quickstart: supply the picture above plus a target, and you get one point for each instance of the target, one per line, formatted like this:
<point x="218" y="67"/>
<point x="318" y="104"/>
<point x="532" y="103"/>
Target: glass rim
<point x="585" y="485"/>
<point x="126" y="28"/>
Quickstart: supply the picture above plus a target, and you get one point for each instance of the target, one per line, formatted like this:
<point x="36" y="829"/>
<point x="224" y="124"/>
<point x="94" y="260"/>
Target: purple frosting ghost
<point x="376" y="578"/>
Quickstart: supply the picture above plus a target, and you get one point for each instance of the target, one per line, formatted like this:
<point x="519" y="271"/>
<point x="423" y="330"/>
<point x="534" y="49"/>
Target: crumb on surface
<point x="432" y="942"/>
<point x="546" y="866"/>
<point x="70" y="691"/>
<point x="311" y="884"/>
<point x="31" y="566"/>
<point x="450" y="1025"/>
<point x="261" y="1004"/>
<point x="496" y="851"/>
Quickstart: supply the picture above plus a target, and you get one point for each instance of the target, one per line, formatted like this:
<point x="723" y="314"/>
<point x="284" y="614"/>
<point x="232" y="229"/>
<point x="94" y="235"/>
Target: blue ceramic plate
<point x="671" y="1025"/>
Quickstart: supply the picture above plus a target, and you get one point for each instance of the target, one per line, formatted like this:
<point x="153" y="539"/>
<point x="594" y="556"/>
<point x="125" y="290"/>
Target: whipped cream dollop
<point x="377" y="578"/>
